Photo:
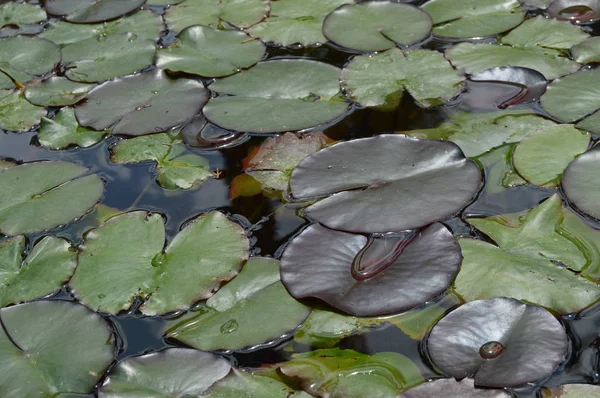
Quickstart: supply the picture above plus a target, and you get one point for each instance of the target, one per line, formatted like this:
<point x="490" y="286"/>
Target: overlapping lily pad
<point x="501" y="342"/>
<point x="57" y="91"/>
<point x="581" y="185"/>
<point x="579" y="11"/>
<point x="387" y="183"/>
<point x="124" y="259"/>
<point x="16" y="113"/>
<point x="209" y="52"/>
<point x="452" y="388"/>
<point x="275" y="96"/>
<point x="140" y="104"/>
<point x="42" y="345"/>
<point x="573" y="391"/>
<point x="376" y="26"/>
<point x="63" y="131"/>
<point x="90" y="11"/>
<point x="35" y="57"/>
<point x="20" y="14"/>
<point x="587" y="51"/>
<point x="532" y="84"/>
<point x="243" y="384"/>
<point x="44" y="195"/>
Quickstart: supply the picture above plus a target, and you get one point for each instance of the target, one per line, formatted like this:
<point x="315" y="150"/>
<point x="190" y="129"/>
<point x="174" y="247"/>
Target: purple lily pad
<point x="320" y="263"/>
<point x="581" y="182"/>
<point x="386" y="183"/>
<point x="577" y="11"/>
<point x="500" y="342"/>
<point x="452" y="388"/>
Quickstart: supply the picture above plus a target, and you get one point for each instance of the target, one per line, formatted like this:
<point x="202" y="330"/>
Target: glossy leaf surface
<point x="90" y="11"/>
<point x="63" y="130"/>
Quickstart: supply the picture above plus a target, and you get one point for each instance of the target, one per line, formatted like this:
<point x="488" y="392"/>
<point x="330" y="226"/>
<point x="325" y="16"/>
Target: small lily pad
<point x="452" y="388"/>
<point x="124" y="259"/>
<point x="140" y="104"/>
<point x="388" y="183"/>
<point x="209" y="52"/>
<point x="16" y="113"/>
<point x="41" y="344"/>
<point x="252" y="309"/>
<point x="43" y="195"/>
<point x="90" y="11"/>
<point x="20" y="14"/>
<point x="500" y="342"/>
<point x="275" y="96"/>
<point x="587" y="51"/>
<point x="36" y="57"/>
<point x="174" y="372"/>
<point x="63" y="131"/>
<point x="376" y="26"/>
<point x="57" y="91"/>
<point x="572" y="391"/>
<point x="581" y="185"/>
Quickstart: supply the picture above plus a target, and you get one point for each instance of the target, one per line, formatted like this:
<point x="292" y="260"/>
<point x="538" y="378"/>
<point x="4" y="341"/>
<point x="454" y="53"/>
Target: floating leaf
<point x="380" y="80"/>
<point x="16" y="113"/>
<point x="581" y="185"/>
<point x="243" y="185"/>
<point x="124" y="258"/>
<point x="532" y="84"/>
<point x="5" y="164"/>
<point x="35" y="57"/>
<point x="163" y="2"/>
<point x="580" y="11"/>
<point x="543" y="4"/>
<point x="546" y="33"/>
<point x="473" y="18"/>
<point x="49" y="264"/>
<point x="542" y="156"/>
<point x="90" y="11"/>
<point x="252" y="309"/>
<point x="275" y="96"/>
<point x="243" y="384"/>
<point x="501" y="342"/>
<point x="239" y="13"/>
<point x="452" y="388"/>
<point x="174" y="372"/>
<point x="533" y="261"/>
<point x="572" y="391"/>
<point x="63" y="130"/>
<point x="296" y="21"/>
<point x="319" y="263"/>
<point x="387" y="183"/>
<point x="376" y="26"/>
<point x="587" y="51"/>
<point x="43" y="195"/>
<point x="141" y="104"/>
<point x="20" y="14"/>
<point x="210" y="52"/>
<point x="42" y="345"/>
<point x="57" y="91"/>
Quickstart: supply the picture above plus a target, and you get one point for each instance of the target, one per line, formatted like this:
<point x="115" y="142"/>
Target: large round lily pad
<point x="124" y="259"/>
<point x="209" y="52"/>
<point x="500" y="342"/>
<point x="319" y="263"/>
<point x="43" y="195"/>
<point x="581" y="182"/>
<point x="276" y="96"/>
<point x="140" y="104"/>
<point x="90" y="11"/>
<point x="452" y="389"/>
<point x="52" y="347"/>
<point x="376" y="25"/>
<point x="35" y="57"/>
<point x="385" y="183"/>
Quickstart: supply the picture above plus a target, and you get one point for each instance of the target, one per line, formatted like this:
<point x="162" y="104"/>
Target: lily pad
<point x="20" y="14"/>
<point x="376" y="26"/>
<point x="174" y="372"/>
<point x="319" y="263"/>
<point x="452" y="388"/>
<point x="380" y="80"/>
<point x="579" y="12"/>
<point x="5" y="164"/>
<point x="572" y="391"/>
<point x="36" y="364"/>
<point x="587" y="51"/>
<point x="387" y="183"/>
<point x="49" y="264"/>
<point x="542" y="4"/>
<point x="534" y="261"/>
<point x="141" y="104"/>
<point x="176" y="169"/>
<point x="581" y="185"/>
<point x="501" y="342"/>
<point x="243" y="384"/>
<point x="275" y="96"/>
<point x="57" y="91"/>
<point x="90" y="11"/>
<point x="239" y="13"/>
<point x="542" y="157"/>
<point x="43" y="195"/>
<point x="36" y="57"/>
<point x="104" y="57"/>
<point x="63" y="131"/>
<point x="296" y="22"/>
<point x="124" y="259"/>
<point x="532" y="83"/>
<point x="210" y="52"/>
<point x="252" y="309"/>
<point x="473" y="18"/>
<point x="16" y="113"/>
<point x="546" y="33"/>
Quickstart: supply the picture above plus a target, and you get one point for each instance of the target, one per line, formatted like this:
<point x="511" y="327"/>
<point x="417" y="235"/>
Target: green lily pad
<point x="57" y="91"/>
<point x="240" y="384"/>
<point x="104" y="57"/>
<point x="543" y="4"/>
<point x="144" y="24"/>
<point x="5" y="164"/>
<point x="209" y="52"/>
<point x="473" y="18"/>
<point x="20" y="14"/>
<point x="542" y="156"/>
<point x="587" y="51"/>
<point x="16" y="113"/>
<point x="176" y="169"/>
<point x="524" y="265"/>
<point x="141" y="104"/>
<point x="163" y="2"/>
<point x="349" y="374"/>
<point x="63" y="131"/>
<point x="572" y="391"/>
<point x="174" y="372"/>
<point x="239" y="13"/>
<point x="43" y="195"/>
<point x="380" y="80"/>
<point x="275" y="96"/>
<point x="90" y="11"/>
<point x="49" y="264"/>
<point x="376" y="26"/>
<point x="252" y="309"/>
<point x="546" y="33"/>
<point x="36" y="57"/>
<point x="296" y="21"/>
<point x="580" y="182"/>
<point x="124" y="259"/>
<point x="42" y="345"/>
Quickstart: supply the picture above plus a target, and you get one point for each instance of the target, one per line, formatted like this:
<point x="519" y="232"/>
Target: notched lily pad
<point x="35" y="58"/>
<point x="500" y="342"/>
<point x="63" y="131"/>
<point x="90" y="11"/>
<point x="57" y="91"/>
<point x="581" y="182"/>
<point x="452" y="388"/>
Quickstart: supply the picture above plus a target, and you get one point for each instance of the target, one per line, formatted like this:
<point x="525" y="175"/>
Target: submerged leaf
<point x="57" y="91"/>
<point x="452" y="388"/>
<point x="90" y="11"/>
<point x="63" y="130"/>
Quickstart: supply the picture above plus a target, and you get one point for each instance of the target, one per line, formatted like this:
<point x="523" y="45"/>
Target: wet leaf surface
<point x="573" y="391"/>
<point x="57" y="91"/>
<point x="579" y="11"/>
<point x="587" y="51"/>
<point x="452" y="388"/>
<point x="90" y="11"/>
<point x="244" y="384"/>
<point x="580" y="183"/>
<point x="63" y="131"/>
<point x="532" y="83"/>
<point x="16" y="113"/>
<point x="36" y="57"/>
<point x="20" y="14"/>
